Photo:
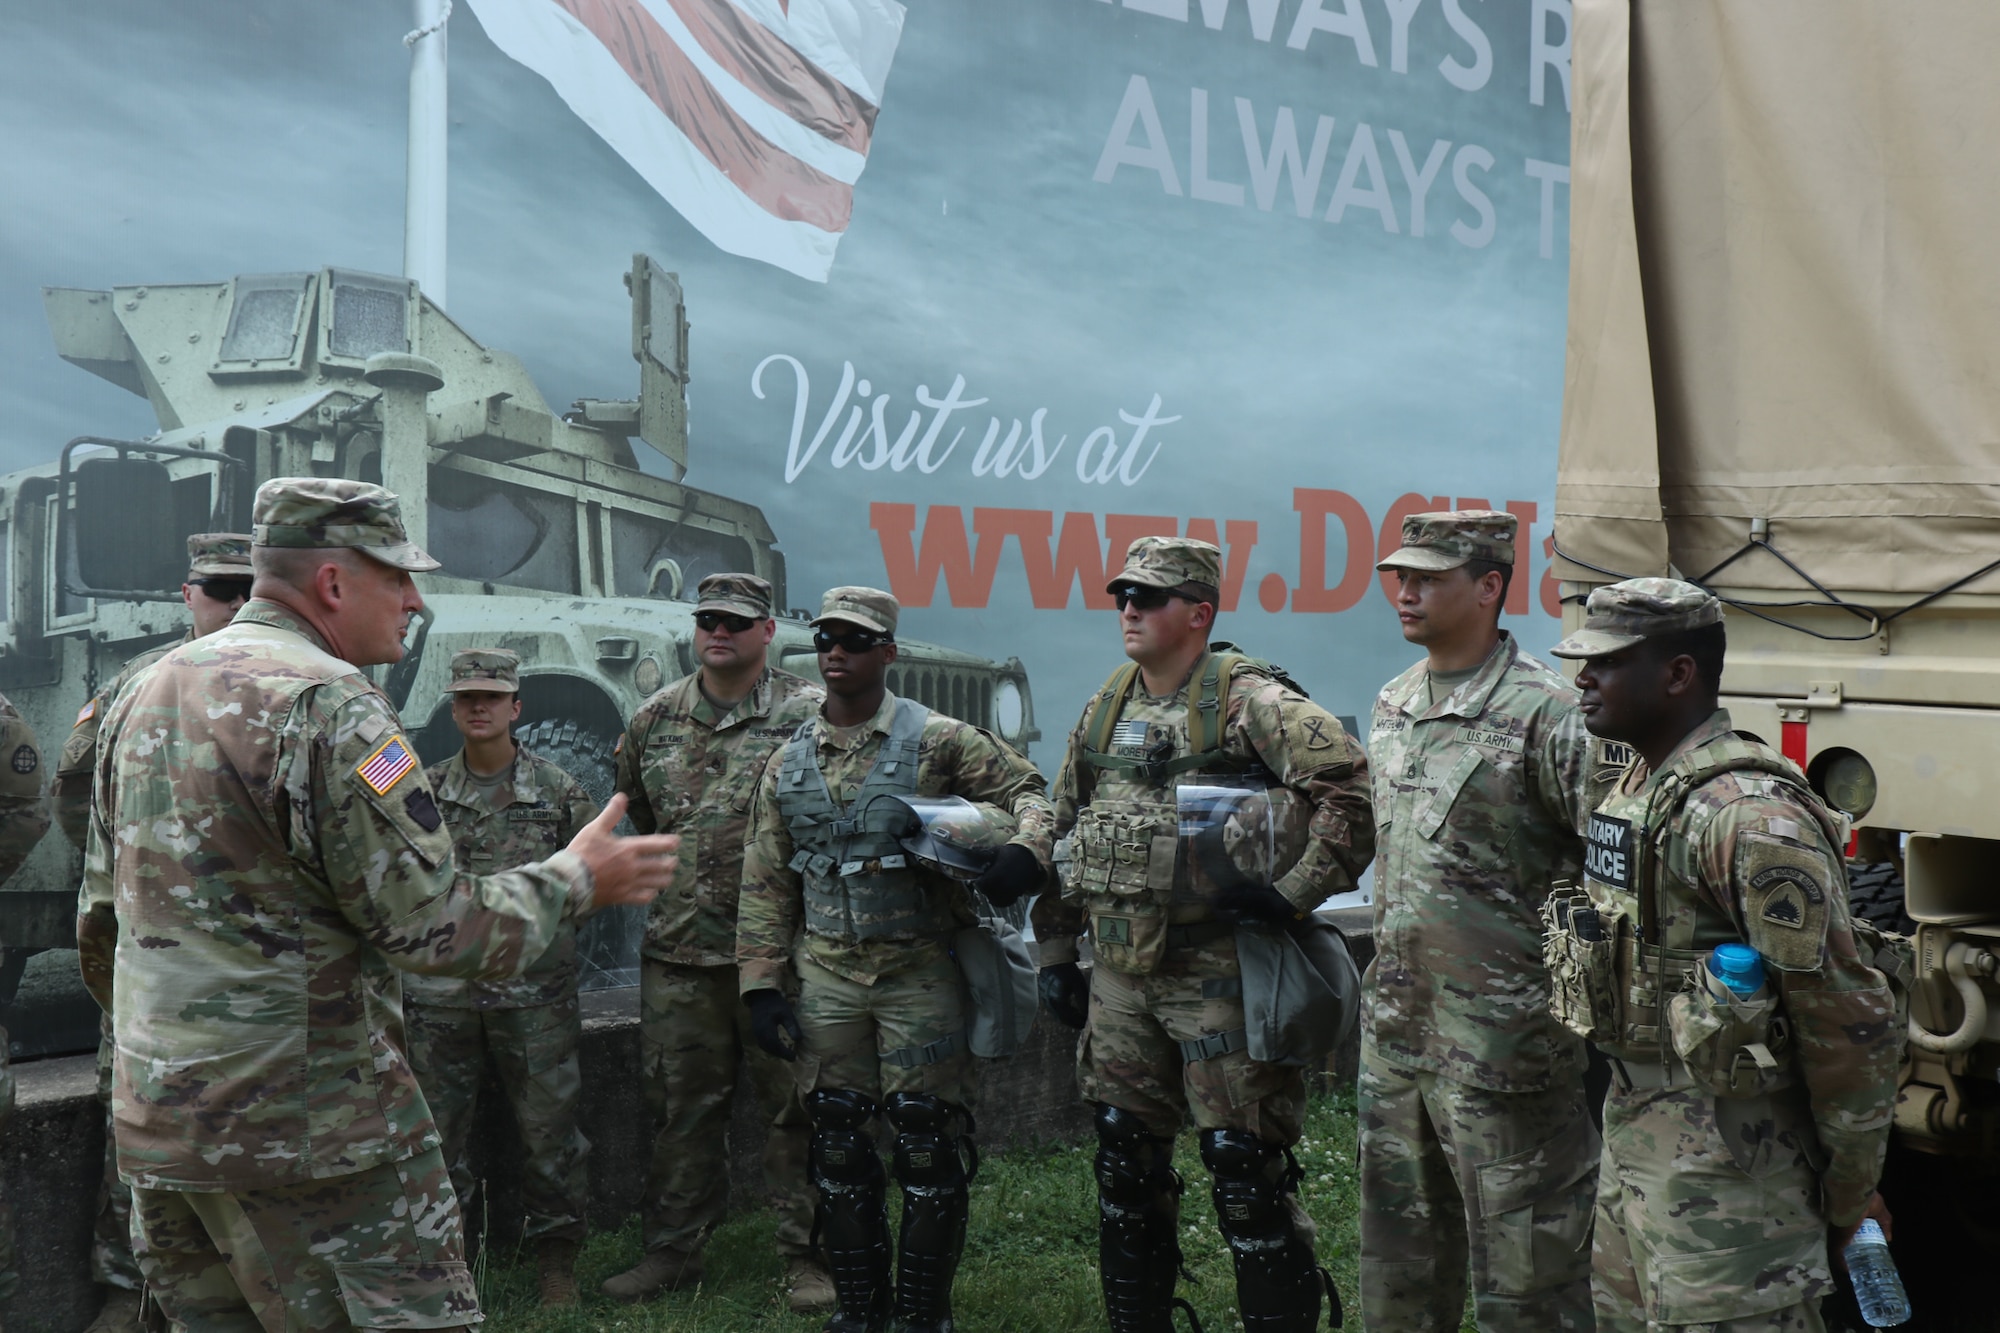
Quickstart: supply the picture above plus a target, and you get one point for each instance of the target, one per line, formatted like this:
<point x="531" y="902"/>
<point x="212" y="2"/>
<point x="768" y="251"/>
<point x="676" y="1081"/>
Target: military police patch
<point x="25" y="759"/>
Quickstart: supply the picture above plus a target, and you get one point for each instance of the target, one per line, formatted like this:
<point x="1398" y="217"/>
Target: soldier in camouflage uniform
<point x="218" y="583"/>
<point x="1165" y="1034"/>
<point x="265" y="855"/>
<point x="1476" y="1141"/>
<point x="1740" y="1130"/>
<point x="689" y="764"/>
<point x="24" y="818"/>
<point x="504" y="806"/>
<point x="834" y="911"/>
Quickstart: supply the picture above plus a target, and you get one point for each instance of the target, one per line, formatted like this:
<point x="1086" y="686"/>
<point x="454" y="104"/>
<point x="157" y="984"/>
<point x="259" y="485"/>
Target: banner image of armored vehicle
<point x="554" y="542"/>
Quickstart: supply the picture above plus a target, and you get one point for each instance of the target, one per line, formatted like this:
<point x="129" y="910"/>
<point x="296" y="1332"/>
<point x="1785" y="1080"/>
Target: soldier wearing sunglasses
<point x="218" y="583"/>
<point x="689" y="764"/>
<point x="836" y="913"/>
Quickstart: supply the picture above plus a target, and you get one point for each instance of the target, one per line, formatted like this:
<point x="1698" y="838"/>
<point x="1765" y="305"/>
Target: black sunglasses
<point x="714" y="620"/>
<point x="1146" y="599"/>
<point x="223" y="590"/>
<point x="853" y="640"/>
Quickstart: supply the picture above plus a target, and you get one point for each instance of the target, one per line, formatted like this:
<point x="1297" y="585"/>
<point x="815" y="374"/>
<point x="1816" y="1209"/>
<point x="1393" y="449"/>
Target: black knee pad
<point x="1133" y="1163"/>
<point x="842" y="1150"/>
<point x="1279" y="1283"/>
<point x="928" y="1139"/>
<point x="1252" y="1178"/>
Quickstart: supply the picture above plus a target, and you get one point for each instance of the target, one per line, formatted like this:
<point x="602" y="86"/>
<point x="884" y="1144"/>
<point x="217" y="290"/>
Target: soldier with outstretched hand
<point x="506" y="806"/>
<point x="689" y="764"/>
<point x="1166" y="1034"/>
<point x="1710" y="955"/>
<point x="1477" y="1149"/>
<point x="836" y="911"/>
<point x="265" y="857"/>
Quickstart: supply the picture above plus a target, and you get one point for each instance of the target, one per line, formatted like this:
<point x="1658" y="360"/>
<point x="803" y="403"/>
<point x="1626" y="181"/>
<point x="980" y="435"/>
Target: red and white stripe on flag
<point x="751" y="117"/>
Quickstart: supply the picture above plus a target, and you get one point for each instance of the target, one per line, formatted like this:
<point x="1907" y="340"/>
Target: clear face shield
<point x="1228" y="834"/>
<point x="954" y="836"/>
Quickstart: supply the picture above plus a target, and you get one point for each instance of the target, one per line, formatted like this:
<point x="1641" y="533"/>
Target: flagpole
<point x="424" y="183"/>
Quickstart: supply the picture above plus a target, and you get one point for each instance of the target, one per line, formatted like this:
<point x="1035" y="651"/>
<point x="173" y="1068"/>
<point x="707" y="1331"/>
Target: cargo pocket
<point x="1750" y="1280"/>
<point x="1536" y="1209"/>
<point x="415" y="1295"/>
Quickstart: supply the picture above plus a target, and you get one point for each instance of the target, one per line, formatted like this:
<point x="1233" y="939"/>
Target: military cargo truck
<point x="554" y="542"/>
<point x="1782" y="385"/>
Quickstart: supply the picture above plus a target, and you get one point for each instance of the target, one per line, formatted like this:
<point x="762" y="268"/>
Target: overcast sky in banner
<point x="155" y="143"/>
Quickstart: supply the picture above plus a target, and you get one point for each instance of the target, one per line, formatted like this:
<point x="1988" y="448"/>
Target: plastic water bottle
<point x="1739" y="967"/>
<point x="1878" y="1288"/>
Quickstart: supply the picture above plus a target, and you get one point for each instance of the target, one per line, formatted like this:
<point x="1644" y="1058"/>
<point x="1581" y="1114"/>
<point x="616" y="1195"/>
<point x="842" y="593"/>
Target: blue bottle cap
<point x="1737" y="966"/>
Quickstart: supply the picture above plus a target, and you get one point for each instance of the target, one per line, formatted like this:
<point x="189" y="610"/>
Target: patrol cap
<point x="738" y="594"/>
<point x="219" y="555"/>
<point x="485" y="670"/>
<point x="326" y="513"/>
<point x="1169" y="562"/>
<point x="1619" y="615"/>
<point x="870" y="608"/>
<point x="1449" y="538"/>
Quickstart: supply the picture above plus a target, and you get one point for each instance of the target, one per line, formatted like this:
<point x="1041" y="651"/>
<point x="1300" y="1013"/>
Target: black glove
<point x="775" y="1025"/>
<point x="1249" y="901"/>
<point x="1014" y="874"/>
<point x="1066" y="992"/>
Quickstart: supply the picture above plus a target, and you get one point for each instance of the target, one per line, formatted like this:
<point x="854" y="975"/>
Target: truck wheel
<point x="1875" y="894"/>
<point x="607" y="947"/>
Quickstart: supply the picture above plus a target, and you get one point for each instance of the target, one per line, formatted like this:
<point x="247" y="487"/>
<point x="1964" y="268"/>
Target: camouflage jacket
<point x="687" y="769"/>
<point x="954" y="758"/>
<point x="1302" y="745"/>
<point x="1480" y="800"/>
<point x="265" y="852"/>
<point x="535" y="818"/>
<point x="1744" y="860"/>
<point x="78" y="764"/>
<point x="24" y="810"/>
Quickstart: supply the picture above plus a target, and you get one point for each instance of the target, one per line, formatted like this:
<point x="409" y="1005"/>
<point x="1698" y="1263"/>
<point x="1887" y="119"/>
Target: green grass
<point x="1030" y="1256"/>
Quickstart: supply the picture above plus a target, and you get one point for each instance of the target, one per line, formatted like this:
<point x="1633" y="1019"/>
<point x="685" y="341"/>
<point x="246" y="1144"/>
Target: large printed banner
<point x="1274" y="273"/>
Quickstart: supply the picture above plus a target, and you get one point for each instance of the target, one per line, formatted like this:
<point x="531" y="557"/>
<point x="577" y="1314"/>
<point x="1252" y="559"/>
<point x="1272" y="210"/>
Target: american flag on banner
<point x="751" y="117"/>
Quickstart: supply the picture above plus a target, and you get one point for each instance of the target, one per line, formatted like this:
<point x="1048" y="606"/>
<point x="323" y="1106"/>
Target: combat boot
<point x="119" y="1313"/>
<point x="809" y="1287"/>
<point x="658" y="1271"/>
<point x="555" y="1262"/>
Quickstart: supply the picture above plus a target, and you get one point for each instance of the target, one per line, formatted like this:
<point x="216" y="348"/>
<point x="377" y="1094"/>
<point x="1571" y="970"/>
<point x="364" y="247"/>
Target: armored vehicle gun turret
<point x="554" y="542"/>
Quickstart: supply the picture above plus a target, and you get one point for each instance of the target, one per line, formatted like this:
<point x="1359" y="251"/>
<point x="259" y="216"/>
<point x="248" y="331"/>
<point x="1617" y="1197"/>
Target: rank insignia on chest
<point x="387" y="766"/>
<point x="1128" y="739"/>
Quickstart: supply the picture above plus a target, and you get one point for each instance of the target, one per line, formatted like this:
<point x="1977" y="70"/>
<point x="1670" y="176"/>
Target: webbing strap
<point x="1222" y="988"/>
<point x="930" y="1053"/>
<point x="1216" y="1043"/>
<point x="1206" y="705"/>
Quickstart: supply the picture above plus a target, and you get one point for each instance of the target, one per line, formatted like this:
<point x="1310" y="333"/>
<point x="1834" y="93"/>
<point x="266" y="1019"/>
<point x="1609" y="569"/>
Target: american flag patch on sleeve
<point x="387" y="766"/>
<point x="89" y="711"/>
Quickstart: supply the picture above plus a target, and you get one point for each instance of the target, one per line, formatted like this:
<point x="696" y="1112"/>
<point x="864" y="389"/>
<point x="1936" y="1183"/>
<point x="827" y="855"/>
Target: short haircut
<point x="295" y="566"/>
<point x="1479" y="569"/>
<point x="1200" y="592"/>
<point x="1705" y="645"/>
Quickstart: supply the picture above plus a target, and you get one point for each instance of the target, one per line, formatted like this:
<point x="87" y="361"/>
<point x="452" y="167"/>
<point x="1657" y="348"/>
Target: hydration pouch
<point x="1001" y="978"/>
<point x="1733" y="1045"/>
<point x="1121" y="870"/>
<point x="1580" y="944"/>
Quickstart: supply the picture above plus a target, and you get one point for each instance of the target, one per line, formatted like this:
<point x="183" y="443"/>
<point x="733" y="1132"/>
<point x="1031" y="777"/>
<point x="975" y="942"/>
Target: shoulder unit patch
<point x="390" y="764"/>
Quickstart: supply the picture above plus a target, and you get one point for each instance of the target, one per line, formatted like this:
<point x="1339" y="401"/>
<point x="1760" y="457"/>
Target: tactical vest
<point x="858" y="882"/>
<point x="1638" y="988"/>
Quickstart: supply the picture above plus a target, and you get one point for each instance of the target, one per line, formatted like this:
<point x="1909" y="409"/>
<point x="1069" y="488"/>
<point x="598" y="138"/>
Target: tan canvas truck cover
<point x="1784" y="293"/>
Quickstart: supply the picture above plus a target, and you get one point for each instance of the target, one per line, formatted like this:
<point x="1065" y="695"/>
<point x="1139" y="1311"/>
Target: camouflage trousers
<point x="873" y="1039"/>
<point x="694" y="1037"/>
<point x="1130" y="1055"/>
<point x="1454" y="1176"/>
<point x="377" y="1249"/>
<point x="534" y="1050"/>
<point x="111" y="1261"/>
<point x="1708" y="1214"/>
<point x="9" y="1278"/>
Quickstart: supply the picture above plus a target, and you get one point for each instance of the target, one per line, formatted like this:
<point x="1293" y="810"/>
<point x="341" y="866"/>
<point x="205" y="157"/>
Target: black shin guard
<point x="1138" y="1213"/>
<point x="929" y="1166"/>
<point x="1278" y="1280"/>
<point x="851" y="1224"/>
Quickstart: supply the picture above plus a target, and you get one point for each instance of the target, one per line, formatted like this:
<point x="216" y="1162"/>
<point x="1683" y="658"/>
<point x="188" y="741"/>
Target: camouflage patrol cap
<point x="1619" y="615"/>
<point x="485" y="670"/>
<point x="325" y="513"/>
<point x="1169" y="562"/>
<point x="219" y="555"/>
<point x="870" y="608"/>
<point x="1449" y="538"/>
<point x="738" y="594"/>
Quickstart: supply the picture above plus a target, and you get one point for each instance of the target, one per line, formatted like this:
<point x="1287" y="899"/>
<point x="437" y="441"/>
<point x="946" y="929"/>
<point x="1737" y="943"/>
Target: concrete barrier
<point x="52" y="1152"/>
